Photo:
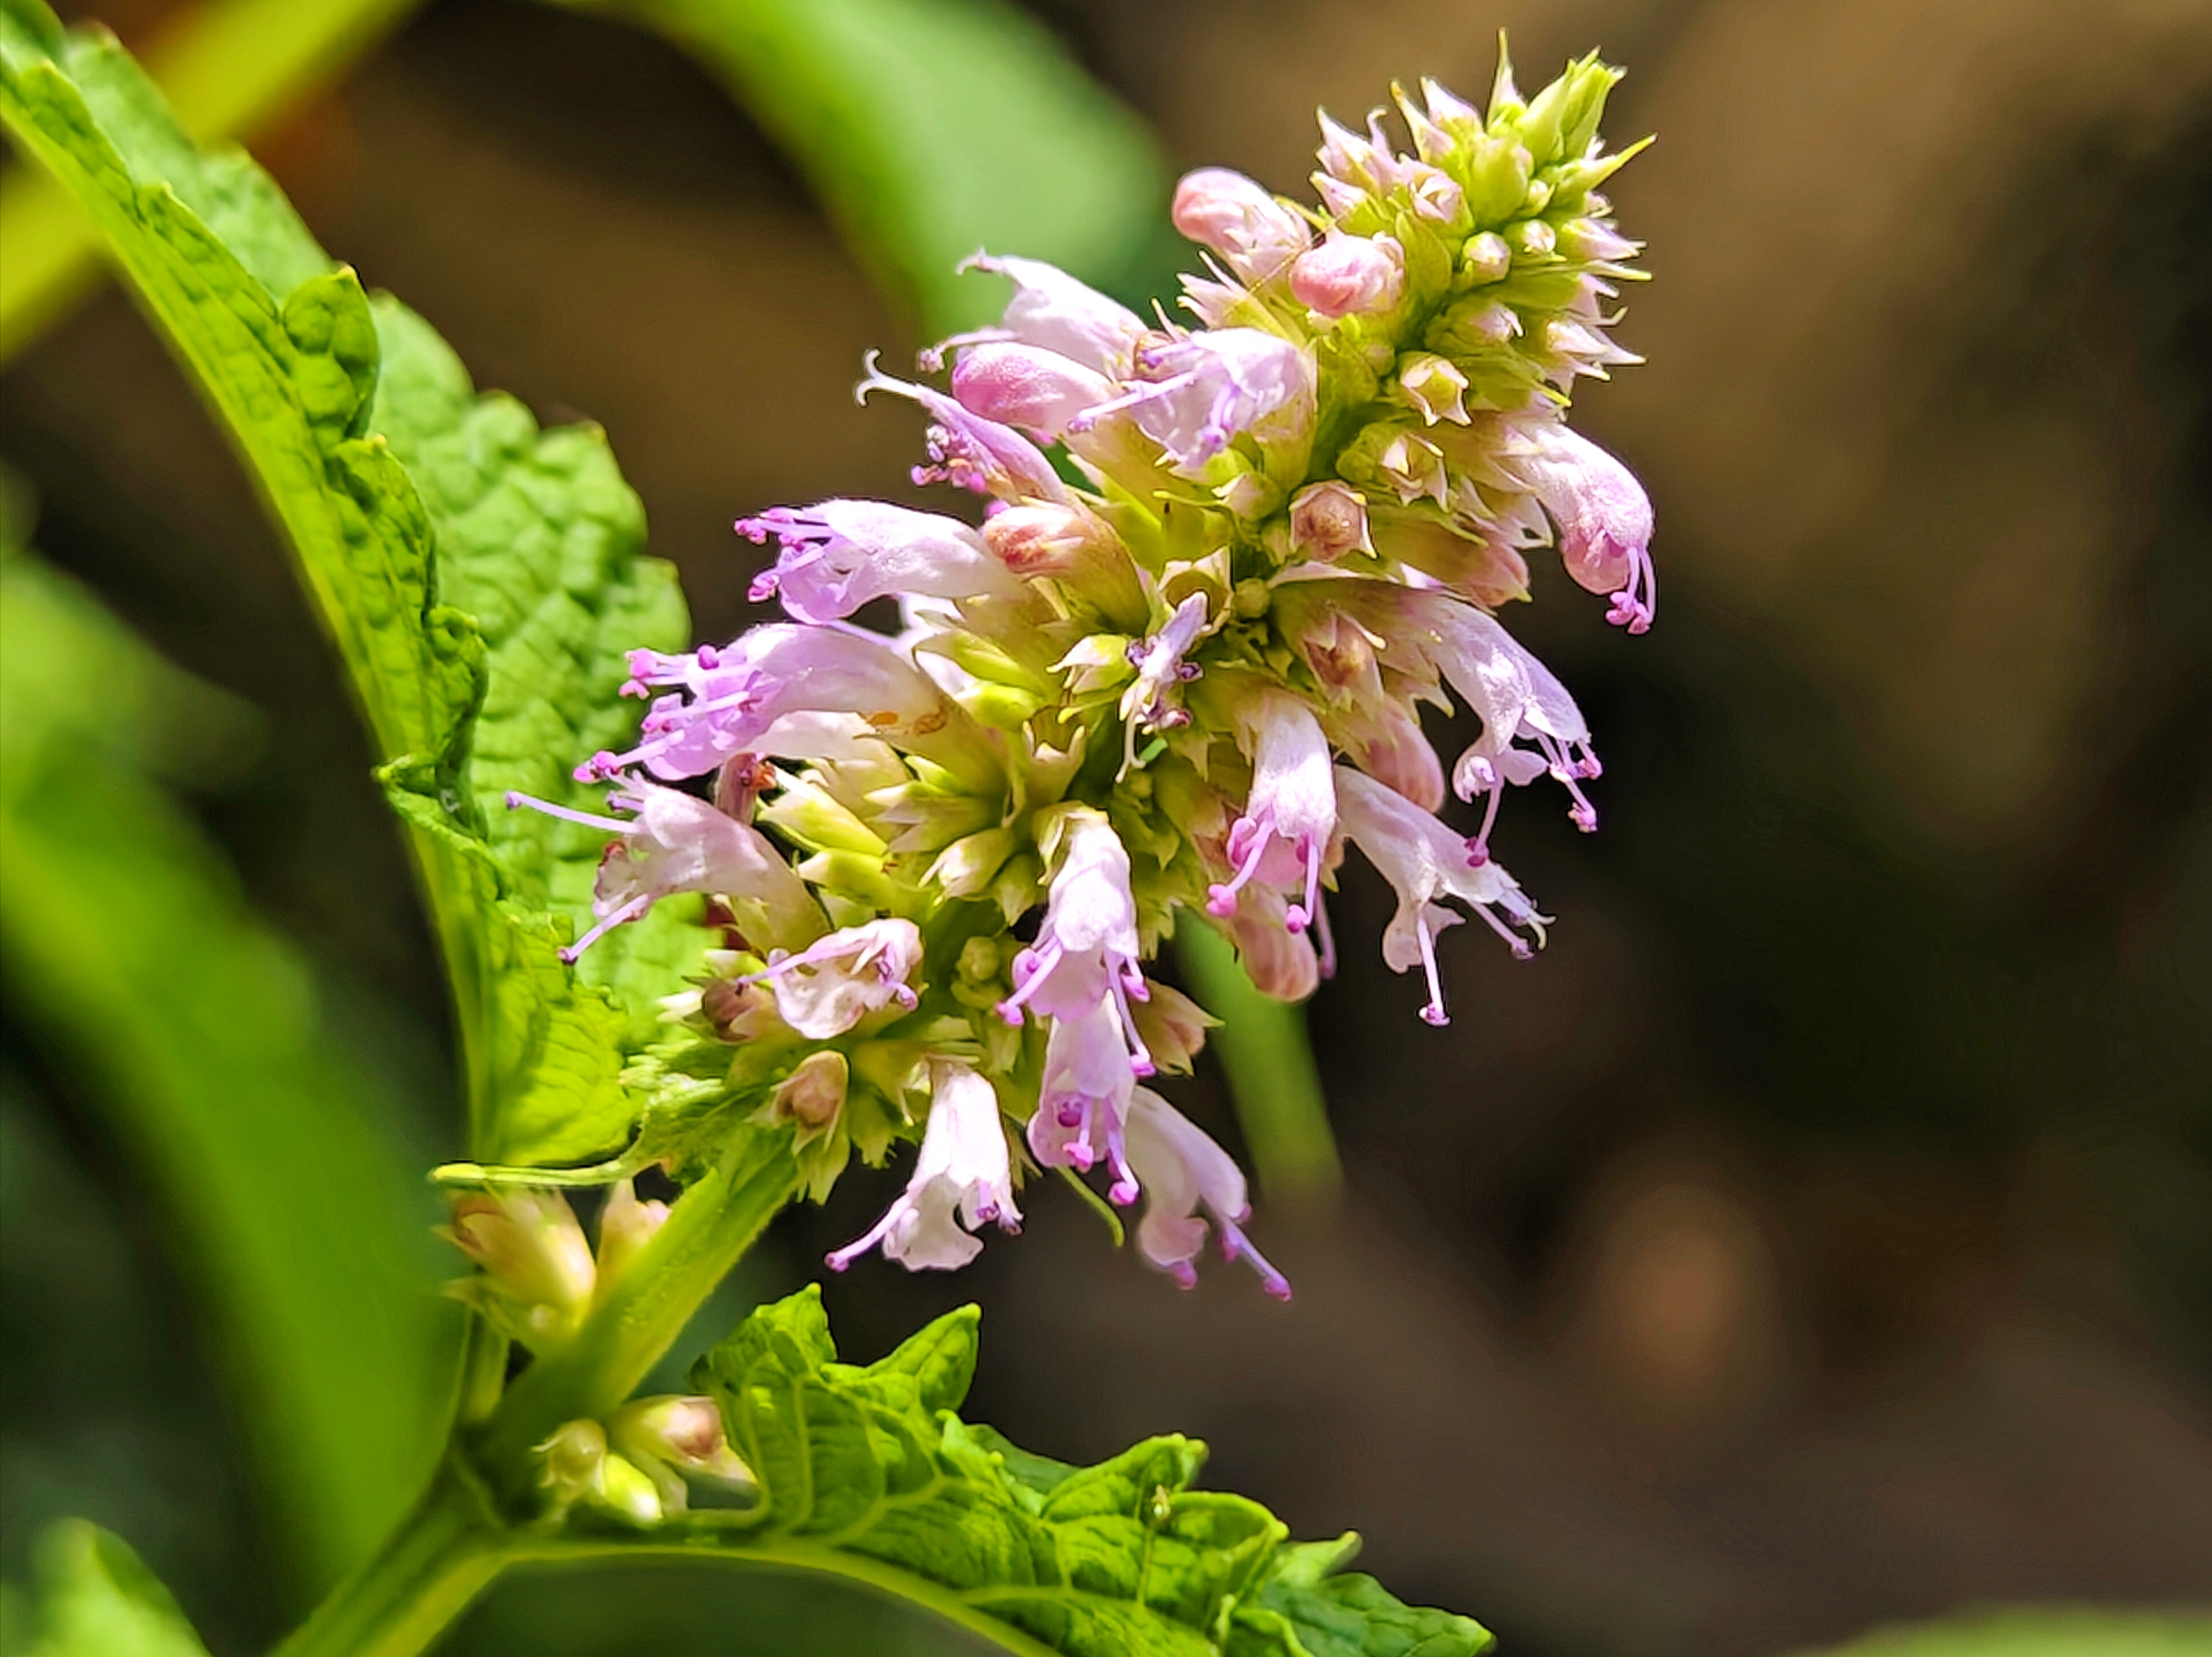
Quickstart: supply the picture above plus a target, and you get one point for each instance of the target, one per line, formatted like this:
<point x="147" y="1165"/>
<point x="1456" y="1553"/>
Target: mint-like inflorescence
<point x="1178" y="665"/>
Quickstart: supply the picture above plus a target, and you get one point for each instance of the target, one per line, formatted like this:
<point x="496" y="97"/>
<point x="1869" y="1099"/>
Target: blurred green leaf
<point x="932" y="128"/>
<point x="2052" y="1631"/>
<point x="868" y="1471"/>
<point x="94" y="1597"/>
<point x="125" y="939"/>
<point x="232" y="70"/>
<point x="330" y="401"/>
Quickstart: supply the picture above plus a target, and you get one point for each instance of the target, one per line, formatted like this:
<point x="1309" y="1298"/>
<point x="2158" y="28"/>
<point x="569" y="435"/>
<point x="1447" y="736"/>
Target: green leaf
<point x="870" y="1467"/>
<point x="94" y="1597"/>
<point x="481" y="579"/>
<point x="201" y="1036"/>
<point x="931" y="128"/>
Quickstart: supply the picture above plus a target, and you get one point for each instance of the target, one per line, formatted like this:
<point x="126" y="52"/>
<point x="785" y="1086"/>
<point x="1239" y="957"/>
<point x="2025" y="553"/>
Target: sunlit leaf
<point x="1124" y="1557"/>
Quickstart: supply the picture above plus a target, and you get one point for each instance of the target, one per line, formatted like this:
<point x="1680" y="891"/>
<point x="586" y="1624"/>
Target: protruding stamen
<point x="612" y="825"/>
<point x="1434" y="1012"/>
<point x="629" y="911"/>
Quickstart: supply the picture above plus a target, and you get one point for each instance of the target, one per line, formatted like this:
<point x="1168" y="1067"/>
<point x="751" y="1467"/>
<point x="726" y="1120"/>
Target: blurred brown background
<point x="1821" y="1233"/>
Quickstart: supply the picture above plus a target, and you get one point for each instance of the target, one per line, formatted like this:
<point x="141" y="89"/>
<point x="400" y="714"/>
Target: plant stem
<point x="444" y="1553"/>
<point x="1273" y="1084"/>
<point x="712" y="1224"/>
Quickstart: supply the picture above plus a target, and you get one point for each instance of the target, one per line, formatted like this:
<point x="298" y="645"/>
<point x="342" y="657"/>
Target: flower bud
<point x="1026" y="386"/>
<point x="1534" y="236"/>
<point x="1589" y="239"/>
<point x="574" y="1462"/>
<point x="626" y="1225"/>
<point x="813" y="1094"/>
<point x="1043" y="540"/>
<point x="1485" y="257"/>
<point x="628" y="1492"/>
<point x="1256" y="234"/>
<point x="1327" y="521"/>
<point x="1349" y="274"/>
<point x="740" y="1009"/>
<point x="674" y="1438"/>
<point x="1435" y="385"/>
<point x="536" y="1269"/>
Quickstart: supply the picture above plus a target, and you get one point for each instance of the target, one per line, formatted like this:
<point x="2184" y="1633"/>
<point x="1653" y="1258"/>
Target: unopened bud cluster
<point x="639" y="1464"/>
<point x="1169" y="664"/>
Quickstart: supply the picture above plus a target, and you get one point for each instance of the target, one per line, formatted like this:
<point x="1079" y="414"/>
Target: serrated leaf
<point x="1124" y="1557"/>
<point x="482" y="608"/>
<point x="92" y="1597"/>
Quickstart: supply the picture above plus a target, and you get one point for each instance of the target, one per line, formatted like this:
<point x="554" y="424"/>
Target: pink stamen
<point x="629" y="911"/>
<point x="1434" y="1012"/>
<point x="612" y="825"/>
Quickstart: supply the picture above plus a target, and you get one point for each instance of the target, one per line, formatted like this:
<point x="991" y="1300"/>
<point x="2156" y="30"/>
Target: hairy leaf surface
<point x="1125" y="1557"/>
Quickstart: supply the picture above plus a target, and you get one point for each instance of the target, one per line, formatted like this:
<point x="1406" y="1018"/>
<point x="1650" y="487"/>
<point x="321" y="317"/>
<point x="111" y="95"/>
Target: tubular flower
<point x="961" y="1174"/>
<point x="841" y="554"/>
<point x="678" y="842"/>
<point x="1286" y="824"/>
<point x="1164" y="656"/>
<point x="1187" y="1174"/>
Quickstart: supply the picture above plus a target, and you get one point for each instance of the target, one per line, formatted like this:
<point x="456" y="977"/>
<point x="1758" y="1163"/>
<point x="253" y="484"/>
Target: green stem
<point x="1269" y="1062"/>
<point x="458" y="1538"/>
<point x="236" y="68"/>
<point x="710" y="1226"/>
<point x="443" y="1554"/>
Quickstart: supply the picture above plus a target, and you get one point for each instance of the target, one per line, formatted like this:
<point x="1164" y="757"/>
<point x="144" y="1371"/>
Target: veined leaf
<point x="872" y="1465"/>
<point x="201" y="1037"/>
<point x="931" y="128"/>
<point x="481" y="608"/>
<point x="94" y="1597"/>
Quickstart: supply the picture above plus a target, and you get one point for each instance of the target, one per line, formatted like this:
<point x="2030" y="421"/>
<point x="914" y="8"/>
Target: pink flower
<point x="967" y="449"/>
<point x="1253" y="232"/>
<point x="742" y="698"/>
<point x="962" y="1176"/>
<point x="839" y="555"/>
<point x="1161" y="670"/>
<point x="1283" y="965"/>
<point x="1185" y="1175"/>
<point x="1349" y="274"/>
<point x="1519" y="700"/>
<point x="1027" y="386"/>
<point x="1194" y="392"/>
<point x="832" y="985"/>
<point x="678" y="842"/>
<point x="1083" y="1101"/>
<point x="1285" y="831"/>
<point x="1051" y="310"/>
<point x="1086" y="953"/>
<point x="1426" y="864"/>
<point x="1603" y="515"/>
